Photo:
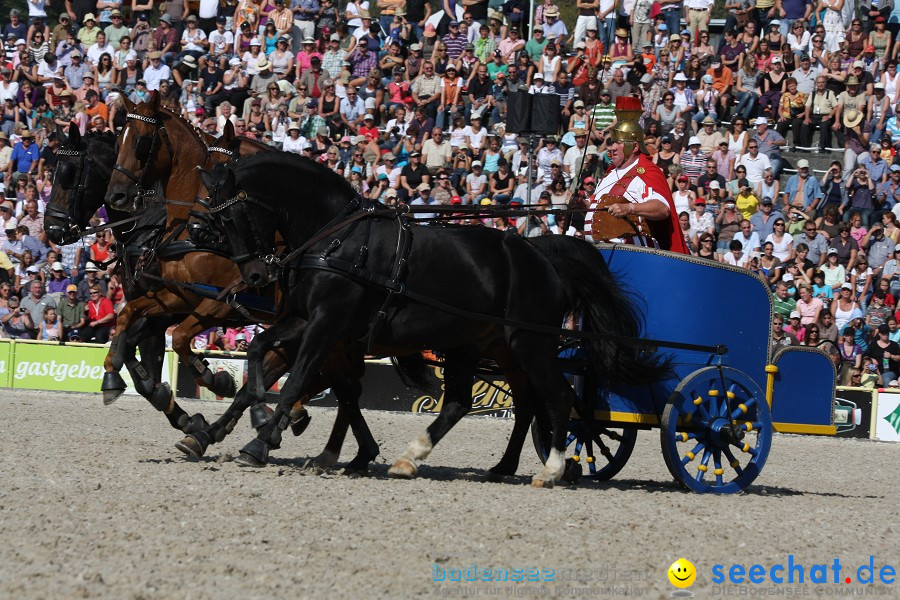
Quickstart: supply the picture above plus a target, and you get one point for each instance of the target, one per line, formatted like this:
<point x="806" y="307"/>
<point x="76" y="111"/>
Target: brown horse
<point x="164" y="148"/>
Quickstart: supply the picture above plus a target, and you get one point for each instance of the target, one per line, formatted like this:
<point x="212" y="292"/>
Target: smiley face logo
<point x="682" y="573"/>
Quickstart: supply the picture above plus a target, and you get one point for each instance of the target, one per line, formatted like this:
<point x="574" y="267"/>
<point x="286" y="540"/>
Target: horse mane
<point x="289" y="160"/>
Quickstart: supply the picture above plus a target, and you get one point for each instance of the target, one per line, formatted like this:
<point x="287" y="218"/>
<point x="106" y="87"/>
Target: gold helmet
<point x="628" y="128"/>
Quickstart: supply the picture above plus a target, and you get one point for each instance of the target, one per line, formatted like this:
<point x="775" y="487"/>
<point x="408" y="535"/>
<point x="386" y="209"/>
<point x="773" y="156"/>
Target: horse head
<point x="248" y="238"/>
<point x="144" y="150"/>
<point x="80" y="180"/>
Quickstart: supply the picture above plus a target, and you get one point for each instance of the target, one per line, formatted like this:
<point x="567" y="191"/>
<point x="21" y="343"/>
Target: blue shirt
<point x="811" y="190"/>
<point x="891" y="196"/>
<point x="876" y="168"/>
<point x="22" y="157"/>
<point x="764" y="229"/>
<point x="310" y="7"/>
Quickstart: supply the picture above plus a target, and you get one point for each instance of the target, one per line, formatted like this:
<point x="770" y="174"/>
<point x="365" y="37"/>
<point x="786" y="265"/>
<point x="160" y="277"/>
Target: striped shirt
<point x="693" y="164"/>
<point x="604" y="115"/>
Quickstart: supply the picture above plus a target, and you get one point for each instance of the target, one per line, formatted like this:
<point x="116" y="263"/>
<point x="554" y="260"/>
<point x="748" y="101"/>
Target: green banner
<point x="6" y="363"/>
<point x="64" y="368"/>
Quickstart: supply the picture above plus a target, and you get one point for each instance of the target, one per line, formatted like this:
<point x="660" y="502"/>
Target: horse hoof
<point x="223" y="385"/>
<point x="254" y="454"/>
<point x="260" y="414"/>
<point x="245" y="460"/>
<point x="493" y="477"/>
<point x="403" y="469"/>
<point x="547" y="484"/>
<point x="297" y="410"/>
<point x="300" y="423"/>
<point x="192" y="446"/>
<point x="195" y="424"/>
<point x="354" y="473"/>
<point x="110" y="396"/>
<point x="573" y="472"/>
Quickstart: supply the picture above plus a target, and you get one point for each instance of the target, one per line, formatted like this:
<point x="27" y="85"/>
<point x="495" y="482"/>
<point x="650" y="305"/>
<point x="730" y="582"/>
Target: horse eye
<point x="65" y="177"/>
<point x="142" y="149"/>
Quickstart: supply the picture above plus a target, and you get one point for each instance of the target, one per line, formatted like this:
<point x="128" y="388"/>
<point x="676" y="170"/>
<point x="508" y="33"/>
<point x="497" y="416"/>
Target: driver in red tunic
<point x="635" y="177"/>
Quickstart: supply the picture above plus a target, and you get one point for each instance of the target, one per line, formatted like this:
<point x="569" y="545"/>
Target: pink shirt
<point x="808" y="311"/>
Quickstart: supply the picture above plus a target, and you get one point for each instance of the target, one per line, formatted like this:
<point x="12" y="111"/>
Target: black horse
<point x="357" y="272"/>
<point x="84" y="166"/>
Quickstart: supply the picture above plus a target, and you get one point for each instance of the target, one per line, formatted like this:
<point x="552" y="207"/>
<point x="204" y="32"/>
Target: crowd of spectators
<point x="407" y="99"/>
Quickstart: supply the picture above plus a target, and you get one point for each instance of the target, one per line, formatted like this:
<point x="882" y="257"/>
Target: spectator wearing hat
<point x="166" y="39"/>
<point x="869" y="11"/>
<point x="693" y="160"/>
<point x="156" y="71"/>
<point x="856" y="133"/>
<point x="72" y="313"/>
<point x="535" y="46"/>
<point x="294" y="142"/>
<point x="803" y="192"/>
<point x="333" y="57"/>
<point x="92" y="276"/>
<point x="194" y="41"/>
<point x="453" y="40"/>
<point x="87" y="33"/>
<point x="805" y="75"/>
<point x="116" y="30"/>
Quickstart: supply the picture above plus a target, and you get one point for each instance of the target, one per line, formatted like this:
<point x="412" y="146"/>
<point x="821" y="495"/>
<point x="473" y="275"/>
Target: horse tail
<point x="594" y="293"/>
<point x="413" y="371"/>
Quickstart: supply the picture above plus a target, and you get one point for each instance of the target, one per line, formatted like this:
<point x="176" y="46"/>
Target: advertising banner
<point x="853" y="412"/>
<point x="887" y="420"/>
<point x="63" y="368"/>
<point x="6" y="363"/>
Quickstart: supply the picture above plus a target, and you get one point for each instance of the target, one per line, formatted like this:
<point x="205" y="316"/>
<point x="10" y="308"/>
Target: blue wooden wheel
<point x="716" y="431"/>
<point x="604" y="453"/>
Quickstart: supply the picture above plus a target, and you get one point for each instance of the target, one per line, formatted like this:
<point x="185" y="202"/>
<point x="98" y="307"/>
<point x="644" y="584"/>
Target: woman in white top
<point x="352" y="13"/>
<point x="550" y="63"/>
<point x="683" y="197"/>
<point x="737" y="137"/>
<point x="889" y="79"/>
<point x="782" y="242"/>
<point x="833" y="23"/>
<point x="798" y="43"/>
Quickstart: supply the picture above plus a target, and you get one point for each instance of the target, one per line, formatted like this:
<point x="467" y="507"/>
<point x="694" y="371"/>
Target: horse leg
<point x="348" y="390"/>
<point x="459" y="370"/>
<point x="315" y="344"/>
<point x="535" y="354"/>
<point x="120" y="351"/>
<point x="158" y="393"/>
<point x="524" y="415"/>
<point x="196" y="443"/>
<point x="206" y="314"/>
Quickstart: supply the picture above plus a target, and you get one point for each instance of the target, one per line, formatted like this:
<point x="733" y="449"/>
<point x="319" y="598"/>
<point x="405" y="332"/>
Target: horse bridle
<point x="76" y="195"/>
<point x="159" y="132"/>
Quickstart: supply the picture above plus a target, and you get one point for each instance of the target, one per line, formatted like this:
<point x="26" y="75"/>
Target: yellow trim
<point x="800" y="428"/>
<point x="625" y="417"/>
<point x="771" y="370"/>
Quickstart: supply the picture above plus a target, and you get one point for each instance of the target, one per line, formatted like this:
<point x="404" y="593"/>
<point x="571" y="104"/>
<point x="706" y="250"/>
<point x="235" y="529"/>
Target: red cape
<point x="667" y="231"/>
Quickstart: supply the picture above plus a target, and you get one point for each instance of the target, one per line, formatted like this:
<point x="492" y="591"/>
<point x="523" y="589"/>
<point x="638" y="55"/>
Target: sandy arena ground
<point x="96" y="502"/>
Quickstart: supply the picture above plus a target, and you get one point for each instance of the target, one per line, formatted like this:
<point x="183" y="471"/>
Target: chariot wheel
<point x="604" y="453"/>
<point x="716" y="431"/>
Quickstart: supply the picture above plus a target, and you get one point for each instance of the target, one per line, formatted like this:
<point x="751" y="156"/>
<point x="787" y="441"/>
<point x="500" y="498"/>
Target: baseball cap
<point x="767" y="200"/>
<point x="895" y="168"/>
<point x="57" y="266"/>
<point x="795" y="314"/>
<point x="71" y="288"/>
<point x="787" y="277"/>
<point x="832" y="251"/>
<point x="761" y="121"/>
<point x="802" y="164"/>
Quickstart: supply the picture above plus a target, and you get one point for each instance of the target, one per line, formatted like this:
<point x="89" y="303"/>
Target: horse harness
<point x="144" y="151"/>
<point x="395" y="285"/>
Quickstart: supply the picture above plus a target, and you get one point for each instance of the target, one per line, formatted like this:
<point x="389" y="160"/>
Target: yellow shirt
<point x="747" y="205"/>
